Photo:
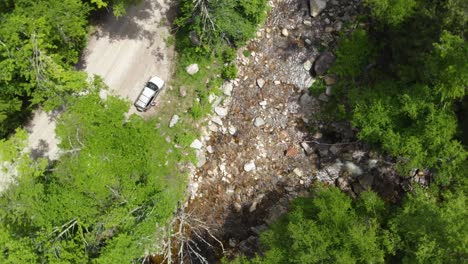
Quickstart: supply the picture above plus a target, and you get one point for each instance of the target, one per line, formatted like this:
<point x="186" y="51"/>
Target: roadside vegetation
<point x="403" y="75"/>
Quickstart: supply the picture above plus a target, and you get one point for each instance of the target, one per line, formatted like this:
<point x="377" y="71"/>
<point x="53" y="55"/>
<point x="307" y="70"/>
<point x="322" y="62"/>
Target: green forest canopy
<point x="105" y="197"/>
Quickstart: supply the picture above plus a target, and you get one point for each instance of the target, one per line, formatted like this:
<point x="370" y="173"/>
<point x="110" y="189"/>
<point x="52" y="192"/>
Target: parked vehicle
<point x="149" y="93"/>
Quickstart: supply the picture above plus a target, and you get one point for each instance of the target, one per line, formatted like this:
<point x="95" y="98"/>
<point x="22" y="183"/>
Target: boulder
<point x="201" y="158"/>
<point x="192" y="69"/>
<point x="329" y="80"/>
<point x="221" y="111"/>
<point x="307" y="65"/>
<point x="323" y="97"/>
<point x="182" y="91"/>
<point x="174" y="120"/>
<point x="324" y="62"/>
<point x="308" y="150"/>
<point x="196" y="144"/>
<point x="260" y="83"/>
<point x="366" y="180"/>
<point x="353" y="169"/>
<point x="306" y="101"/>
<point x="343" y="184"/>
<point x="194" y="39"/>
<point x="227" y="88"/>
<point x="258" y="122"/>
<point x="217" y="120"/>
<point x="298" y="172"/>
<point x="249" y="166"/>
<point x="232" y="130"/>
<point x="316" y="6"/>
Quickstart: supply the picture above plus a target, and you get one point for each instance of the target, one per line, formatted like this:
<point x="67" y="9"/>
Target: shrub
<point x="229" y="72"/>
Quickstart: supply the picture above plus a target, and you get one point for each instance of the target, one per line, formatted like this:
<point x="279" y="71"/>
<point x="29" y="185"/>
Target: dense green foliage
<point x="104" y="198"/>
<point x="331" y="228"/>
<point x="208" y="34"/>
<point x="328" y="228"/>
<point x="217" y="21"/>
<point x="40" y="42"/>
<point x="402" y="80"/>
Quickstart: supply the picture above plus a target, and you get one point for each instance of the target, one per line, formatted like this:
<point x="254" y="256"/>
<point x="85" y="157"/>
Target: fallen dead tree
<point x="186" y="237"/>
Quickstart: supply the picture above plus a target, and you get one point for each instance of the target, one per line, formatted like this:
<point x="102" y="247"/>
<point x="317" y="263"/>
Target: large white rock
<point x="232" y="130"/>
<point x="221" y="111"/>
<point x="260" y="82"/>
<point x="196" y="144"/>
<point x="227" y="88"/>
<point x="249" y="166"/>
<point x="316" y="6"/>
<point x="258" y="122"/>
<point x="217" y="120"/>
<point x="174" y="120"/>
<point x="353" y="169"/>
<point x="192" y="69"/>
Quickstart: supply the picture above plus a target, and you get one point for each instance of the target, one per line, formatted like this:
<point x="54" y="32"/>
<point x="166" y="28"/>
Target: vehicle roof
<point x="145" y="97"/>
<point x="158" y="81"/>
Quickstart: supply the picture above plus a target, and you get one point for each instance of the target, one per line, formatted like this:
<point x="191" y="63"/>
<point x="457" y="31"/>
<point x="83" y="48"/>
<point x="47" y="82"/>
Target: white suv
<point x="149" y="93"/>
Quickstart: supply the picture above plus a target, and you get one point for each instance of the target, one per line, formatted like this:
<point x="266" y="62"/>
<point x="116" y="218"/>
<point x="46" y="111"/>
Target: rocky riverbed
<point x="265" y="146"/>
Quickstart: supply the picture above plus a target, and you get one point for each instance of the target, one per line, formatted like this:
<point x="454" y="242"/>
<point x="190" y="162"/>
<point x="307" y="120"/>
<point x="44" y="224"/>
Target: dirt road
<point x="126" y="52"/>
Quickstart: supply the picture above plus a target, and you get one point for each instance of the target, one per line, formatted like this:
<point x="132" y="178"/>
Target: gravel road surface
<point x="126" y="52"/>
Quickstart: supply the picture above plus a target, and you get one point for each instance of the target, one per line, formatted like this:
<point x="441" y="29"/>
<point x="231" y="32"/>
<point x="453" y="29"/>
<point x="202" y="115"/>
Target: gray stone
<point x="323" y="97"/>
<point x="298" y="172"/>
<point x="274" y="213"/>
<point x="324" y="62"/>
<point x="258" y="122"/>
<point x="217" y="120"/>
<point x="253" y="207"/>
<point x="221" y="111"/>
<point x="174" y="120"/>
<point x="232" y="130"/>
<point x="201" y="158"/>
<point x="307" y="65"/>
<point x="193" y="36"/>
<point x="259" y="229"/>
<point x="232" y="242"/>
<point x="213" y="128"/>
<point x="372" y="163"/>
<point x="329" y="80"/>
<point x="308" y="150"/>
<point x="249" y="166"/>
<point x="260" y="83"/>
<point x="334" y="149"/>
<point x="316" y="6"/>
<point x="307" y="22"/>
<point x="343" y="184"/>
<point x="328" y="91"/>
<point x="182" y="91"/>
<point x="353" y="169"/>
<point x="210" y="149"/>
<point x="196" y="144"/>
<point x="227" y="88"/>
<point x="192" y="69"/>
<point x="366" y="180"/>
<point x="306" y="101"/>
